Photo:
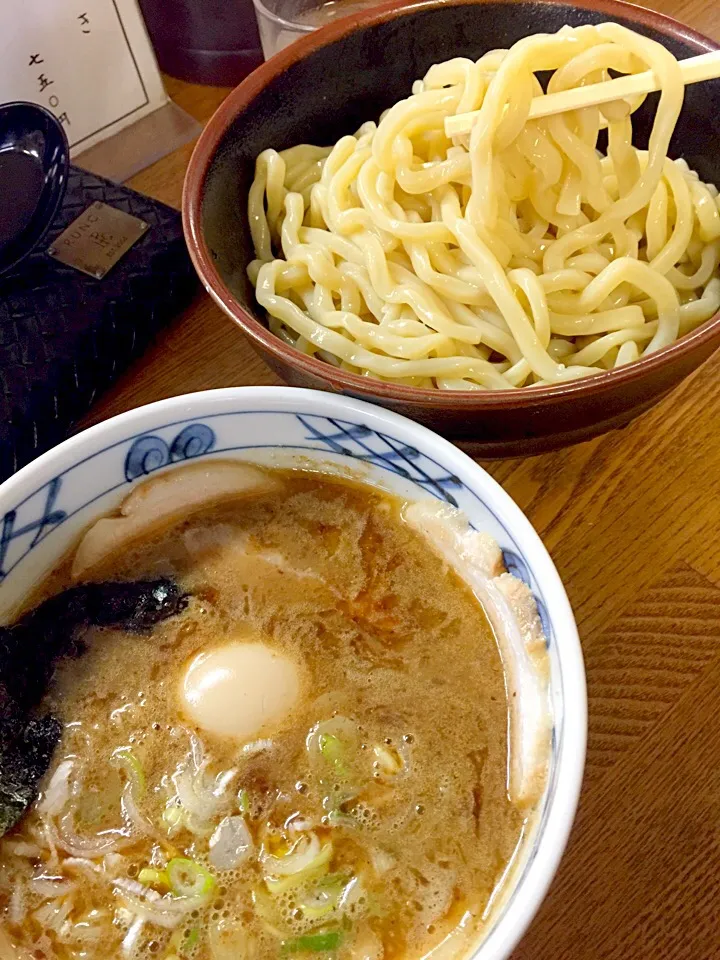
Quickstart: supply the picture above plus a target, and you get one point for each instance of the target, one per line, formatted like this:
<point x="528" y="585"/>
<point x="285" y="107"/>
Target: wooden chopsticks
<point x="694" y="70"/>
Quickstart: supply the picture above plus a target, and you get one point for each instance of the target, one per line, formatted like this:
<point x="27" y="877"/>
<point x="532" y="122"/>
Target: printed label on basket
<point x="98" y="239"/>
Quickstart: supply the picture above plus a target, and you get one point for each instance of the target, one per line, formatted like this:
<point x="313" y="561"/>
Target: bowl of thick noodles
<point x="524" y="285"/>
<point x="282" y="675"/>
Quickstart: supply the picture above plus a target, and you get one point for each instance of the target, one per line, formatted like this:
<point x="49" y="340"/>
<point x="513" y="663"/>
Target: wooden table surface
<point x="632" y="521"/>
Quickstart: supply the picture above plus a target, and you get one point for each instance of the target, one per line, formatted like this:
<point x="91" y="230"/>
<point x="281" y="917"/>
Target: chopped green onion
<point x="173" y="947"/>
<point x="125" y="758"/>
<point x="189" y="879"/>
<point x="313" y="942"/>
<point x="333" y="880"/>
<point x="244" y="801"/>
<point x="149" y="877"/>
<point x="268" y="911"/>
<point x="190" y="940"/>
<point x="316" y="867"/>
<point x="333" y="749"/>
<point x="327" y="894"/>
<point x="317" y="911"/>
<point x="330" y="747"/>
<point x="338" y="818"/>
<point x="172" y="816"/>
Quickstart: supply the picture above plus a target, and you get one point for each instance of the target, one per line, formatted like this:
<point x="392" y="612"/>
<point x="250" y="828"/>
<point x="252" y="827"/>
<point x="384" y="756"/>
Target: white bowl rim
<point x="557" y="821"/>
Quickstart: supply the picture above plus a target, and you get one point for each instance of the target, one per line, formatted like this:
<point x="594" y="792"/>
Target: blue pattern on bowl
<point x="34" y="530"/>
<point x="361" y="443"/>
<point x="148" y="452"/>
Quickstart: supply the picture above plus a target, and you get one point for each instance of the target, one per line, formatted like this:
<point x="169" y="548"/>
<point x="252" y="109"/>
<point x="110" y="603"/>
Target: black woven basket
<point x="65" y="337"/>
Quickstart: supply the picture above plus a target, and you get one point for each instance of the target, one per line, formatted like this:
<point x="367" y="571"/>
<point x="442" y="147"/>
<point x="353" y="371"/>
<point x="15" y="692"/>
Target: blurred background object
<point x="34" y="161"/>
<point x="90" y="271"/>
<point x="92" y="66"/>
<point x="283" y="21"/>
<point x="204" y="41"/>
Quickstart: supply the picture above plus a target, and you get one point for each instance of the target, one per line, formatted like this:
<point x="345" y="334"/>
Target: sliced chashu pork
<point x="513" y="615"/>
<point x="163" y="499"/>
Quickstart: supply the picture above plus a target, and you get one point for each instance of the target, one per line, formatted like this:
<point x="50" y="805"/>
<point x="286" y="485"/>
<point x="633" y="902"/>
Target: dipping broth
<point x="309" y="760"/>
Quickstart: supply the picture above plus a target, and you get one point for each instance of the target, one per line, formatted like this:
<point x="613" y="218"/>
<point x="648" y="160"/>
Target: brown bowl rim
<point x="216" y="128"/>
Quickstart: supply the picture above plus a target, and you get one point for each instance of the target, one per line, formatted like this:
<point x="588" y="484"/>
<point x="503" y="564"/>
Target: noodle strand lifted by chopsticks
<point x="519" y="255"/>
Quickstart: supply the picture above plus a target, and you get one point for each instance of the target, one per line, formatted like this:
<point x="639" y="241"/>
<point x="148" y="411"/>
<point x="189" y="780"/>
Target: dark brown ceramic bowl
<point x="324" y="86"/>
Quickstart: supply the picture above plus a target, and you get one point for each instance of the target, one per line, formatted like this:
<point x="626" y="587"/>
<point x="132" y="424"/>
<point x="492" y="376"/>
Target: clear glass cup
<point x="280" y="22"/>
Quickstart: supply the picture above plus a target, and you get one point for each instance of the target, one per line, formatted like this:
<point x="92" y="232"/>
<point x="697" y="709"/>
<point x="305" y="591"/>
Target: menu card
<point x="88" y="61"/>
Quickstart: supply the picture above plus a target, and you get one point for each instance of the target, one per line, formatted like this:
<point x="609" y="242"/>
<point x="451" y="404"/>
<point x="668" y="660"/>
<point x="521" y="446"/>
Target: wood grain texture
<point x="632" y="520"/>
<point x="642" y="665"/>
<point x="641" y="878"/>
<point x="617" y="509"/>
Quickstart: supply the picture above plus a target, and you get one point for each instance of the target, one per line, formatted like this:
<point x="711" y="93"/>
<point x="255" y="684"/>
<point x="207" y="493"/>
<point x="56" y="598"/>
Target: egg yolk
<point x="239" y="690"/>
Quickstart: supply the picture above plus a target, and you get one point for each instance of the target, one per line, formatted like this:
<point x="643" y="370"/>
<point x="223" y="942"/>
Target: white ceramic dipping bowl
<point x="45" y="507"/>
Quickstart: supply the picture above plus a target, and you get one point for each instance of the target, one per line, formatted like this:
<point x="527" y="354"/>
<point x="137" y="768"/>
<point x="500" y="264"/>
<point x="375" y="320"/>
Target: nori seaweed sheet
<point x="29" y="652"/>
<point x="23" y="765"/>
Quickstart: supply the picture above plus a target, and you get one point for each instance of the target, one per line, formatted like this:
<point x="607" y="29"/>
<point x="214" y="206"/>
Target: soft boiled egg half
<point x="239" y="690"/>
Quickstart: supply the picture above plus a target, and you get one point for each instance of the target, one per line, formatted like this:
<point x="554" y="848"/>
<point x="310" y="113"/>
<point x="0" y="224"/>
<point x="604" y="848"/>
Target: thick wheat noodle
<point x="519" y="255"/>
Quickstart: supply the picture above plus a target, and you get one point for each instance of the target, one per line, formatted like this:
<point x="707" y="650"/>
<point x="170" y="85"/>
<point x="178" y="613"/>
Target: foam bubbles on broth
<point x="383" y="780"/>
